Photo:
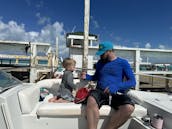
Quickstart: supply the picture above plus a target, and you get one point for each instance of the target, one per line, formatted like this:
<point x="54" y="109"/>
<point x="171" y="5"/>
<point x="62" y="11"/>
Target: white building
<point x="75" y="43"/>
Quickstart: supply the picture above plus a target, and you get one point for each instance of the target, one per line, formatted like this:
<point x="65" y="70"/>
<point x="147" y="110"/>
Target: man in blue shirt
<point x="114" y="77"/>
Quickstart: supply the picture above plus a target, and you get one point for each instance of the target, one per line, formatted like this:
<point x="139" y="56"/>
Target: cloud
<point x="136" y="44"/>
<point x="14" y="31"/>
<point x="120" y="46"/>
<point x="117" y="38"/>
<point x="148" y="45"/>
<point x="42" y="20"/>
<point x="126" y="41"/>
<point x="28" y="2"/>
<point x="94" y="22"/>
<point x="161" y="46"/>
<point x="40" y="4"/>
<point x="11" y="31"/>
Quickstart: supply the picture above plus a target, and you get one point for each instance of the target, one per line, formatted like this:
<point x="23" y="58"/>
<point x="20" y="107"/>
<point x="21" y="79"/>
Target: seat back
<point x="28" y="98"/>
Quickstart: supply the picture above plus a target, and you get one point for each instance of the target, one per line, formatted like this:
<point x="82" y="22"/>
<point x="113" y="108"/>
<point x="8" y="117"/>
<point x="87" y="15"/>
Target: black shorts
<point x="116" y="101"/>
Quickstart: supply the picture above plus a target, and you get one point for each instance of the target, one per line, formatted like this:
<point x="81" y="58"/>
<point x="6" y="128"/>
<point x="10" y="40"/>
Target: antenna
<point x="73" y="29"/>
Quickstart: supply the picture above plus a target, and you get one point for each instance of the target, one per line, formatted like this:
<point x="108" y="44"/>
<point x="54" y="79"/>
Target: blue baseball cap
<point x="103" y="47"/>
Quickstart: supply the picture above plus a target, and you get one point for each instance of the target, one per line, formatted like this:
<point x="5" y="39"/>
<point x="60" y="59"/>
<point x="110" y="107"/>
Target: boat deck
<point x="156" y="103"/>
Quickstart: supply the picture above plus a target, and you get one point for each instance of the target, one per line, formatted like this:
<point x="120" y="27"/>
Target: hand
<point x="111" y="90"/>
<point x="107" y="90"/>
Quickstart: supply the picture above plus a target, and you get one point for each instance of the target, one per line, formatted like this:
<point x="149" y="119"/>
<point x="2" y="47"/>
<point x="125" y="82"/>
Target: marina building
<point x="26" y="60"/>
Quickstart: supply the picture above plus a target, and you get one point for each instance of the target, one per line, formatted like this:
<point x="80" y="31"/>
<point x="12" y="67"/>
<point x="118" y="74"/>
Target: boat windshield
<point x="7" y="81"/>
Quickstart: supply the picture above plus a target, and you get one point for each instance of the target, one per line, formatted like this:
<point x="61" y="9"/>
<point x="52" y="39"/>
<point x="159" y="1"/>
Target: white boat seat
<point x="29" y="96"/>
<point x="135" y="95"/>
<point x="48" y="83"/>
<point x="28" y="99"/>
<point x="72" y="109"/>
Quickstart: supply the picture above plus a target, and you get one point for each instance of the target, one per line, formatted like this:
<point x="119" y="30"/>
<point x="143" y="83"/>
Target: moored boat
<point x="21" y="108"/>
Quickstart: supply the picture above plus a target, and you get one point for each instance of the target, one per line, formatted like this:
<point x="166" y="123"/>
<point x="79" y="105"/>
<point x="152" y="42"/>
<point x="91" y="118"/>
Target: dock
<point x="27" y="61"/>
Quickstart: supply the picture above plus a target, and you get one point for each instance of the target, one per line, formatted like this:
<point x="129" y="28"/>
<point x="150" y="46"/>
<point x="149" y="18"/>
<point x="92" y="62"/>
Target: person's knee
<point x="129" y="109"/>
<point x="91" y="101"/>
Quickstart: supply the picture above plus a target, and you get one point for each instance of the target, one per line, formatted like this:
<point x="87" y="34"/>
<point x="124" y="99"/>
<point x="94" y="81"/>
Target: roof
<point x="80" y="33"/>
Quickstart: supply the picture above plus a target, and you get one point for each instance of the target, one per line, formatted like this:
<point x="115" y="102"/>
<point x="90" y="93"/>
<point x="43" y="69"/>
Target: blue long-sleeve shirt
<point x="111" y="74"/>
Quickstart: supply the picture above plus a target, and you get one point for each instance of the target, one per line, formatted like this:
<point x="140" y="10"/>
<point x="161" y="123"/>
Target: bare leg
<point x="119" y="117"/>
<point x="92" y="112"/>
<point x="60" y="100"/>
<point x="52" y="99"/>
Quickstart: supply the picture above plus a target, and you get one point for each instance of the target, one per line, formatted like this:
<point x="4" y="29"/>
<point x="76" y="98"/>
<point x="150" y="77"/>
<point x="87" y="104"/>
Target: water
<point x="24" y="62"/>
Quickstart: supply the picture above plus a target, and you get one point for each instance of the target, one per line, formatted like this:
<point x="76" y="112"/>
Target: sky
<point x="126" y="23"/>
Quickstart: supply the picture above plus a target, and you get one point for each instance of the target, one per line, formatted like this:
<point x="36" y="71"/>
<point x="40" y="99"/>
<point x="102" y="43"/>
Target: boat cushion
<point x="52" y="85"/>
<point x="48" y="83"/>
<point x="137" y="97"/>
<point x="28" y="98"/>
<point x="72" y="109"/>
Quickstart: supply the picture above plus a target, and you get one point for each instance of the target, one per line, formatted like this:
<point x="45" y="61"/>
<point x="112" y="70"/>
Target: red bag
<point x="81" y="95"/>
